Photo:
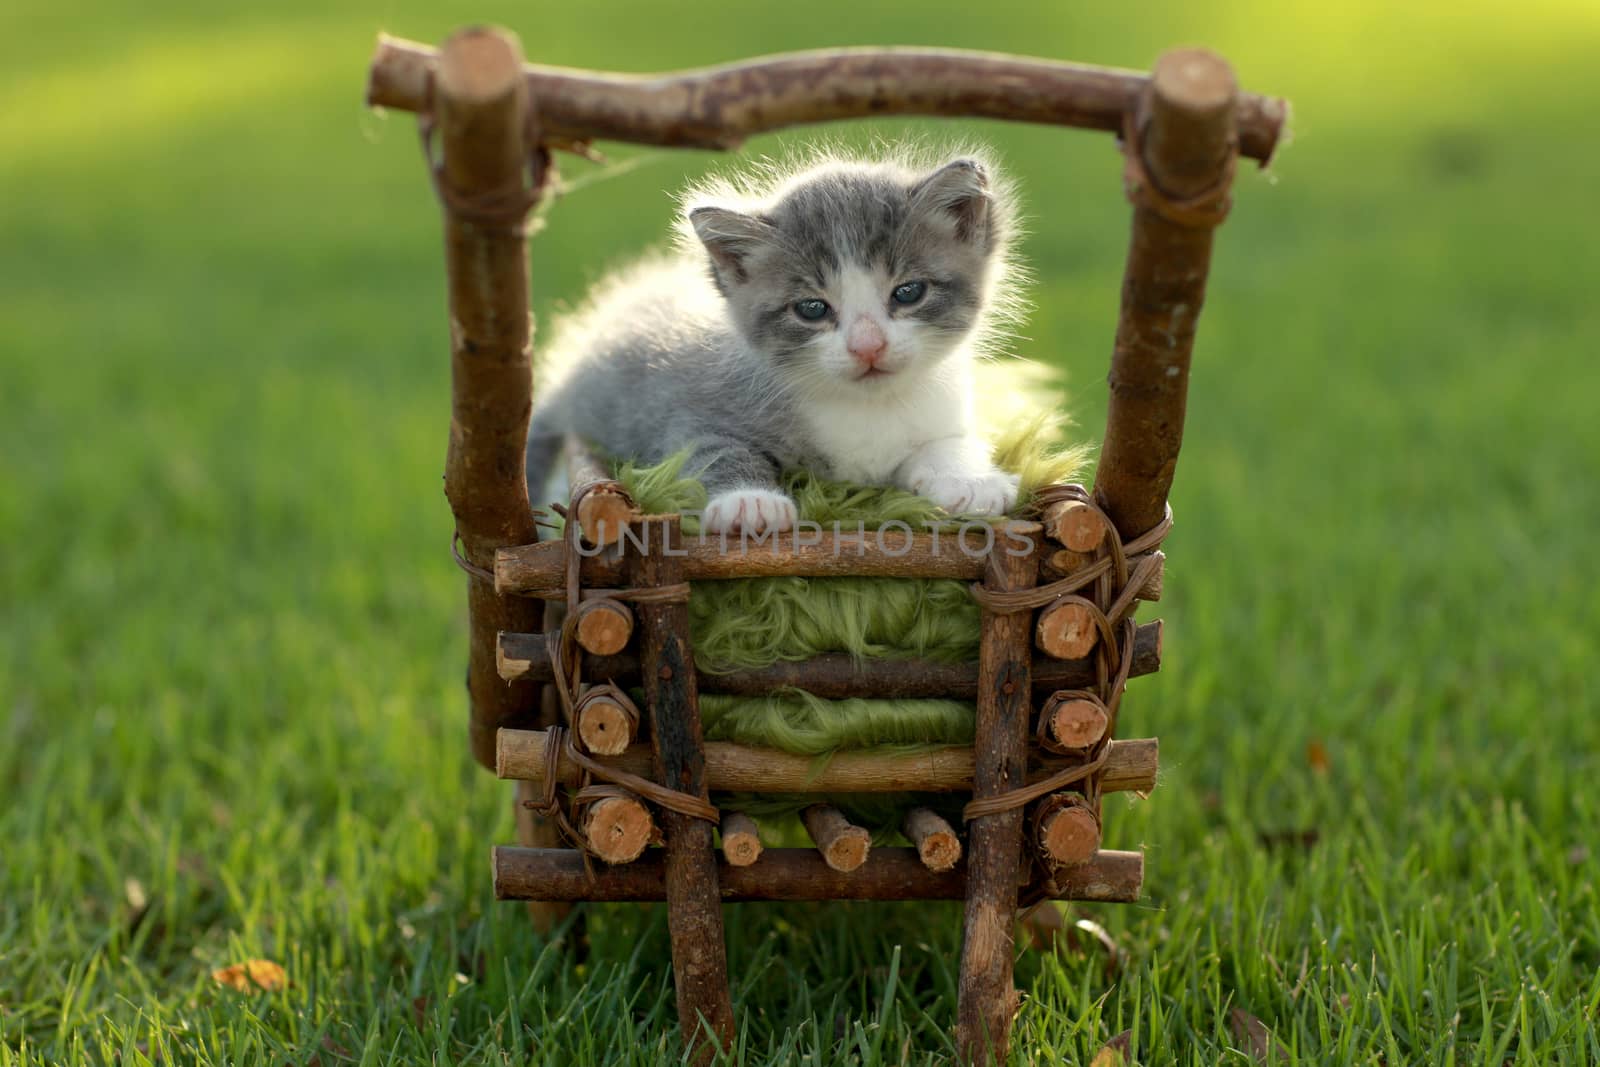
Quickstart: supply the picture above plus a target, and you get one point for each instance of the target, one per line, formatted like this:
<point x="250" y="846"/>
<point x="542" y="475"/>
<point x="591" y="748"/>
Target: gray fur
<point x="702" y="350"/>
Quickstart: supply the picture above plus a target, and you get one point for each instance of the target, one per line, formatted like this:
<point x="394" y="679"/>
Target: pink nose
<point x="866" y="341"/>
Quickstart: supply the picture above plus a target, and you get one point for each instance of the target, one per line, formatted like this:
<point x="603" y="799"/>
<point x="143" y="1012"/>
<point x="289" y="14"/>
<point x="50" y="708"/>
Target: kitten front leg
<point x="742" y="490"/>
<point x="956" y="474"/>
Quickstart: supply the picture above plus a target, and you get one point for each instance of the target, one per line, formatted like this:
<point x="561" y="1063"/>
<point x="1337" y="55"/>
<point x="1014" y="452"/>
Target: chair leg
<point x="694" y="900"/>
<point x="987" y="996"/>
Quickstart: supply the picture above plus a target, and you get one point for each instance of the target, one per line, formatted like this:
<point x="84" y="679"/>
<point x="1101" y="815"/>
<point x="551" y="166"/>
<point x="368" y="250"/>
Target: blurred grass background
<point x="231" y="721"/>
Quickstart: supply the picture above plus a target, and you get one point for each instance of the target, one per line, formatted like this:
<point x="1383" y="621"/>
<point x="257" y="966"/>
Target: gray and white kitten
<point x="826" y="319"/>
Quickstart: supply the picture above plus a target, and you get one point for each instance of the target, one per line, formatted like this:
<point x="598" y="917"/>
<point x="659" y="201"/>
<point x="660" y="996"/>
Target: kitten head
<point x="860" y="276"/>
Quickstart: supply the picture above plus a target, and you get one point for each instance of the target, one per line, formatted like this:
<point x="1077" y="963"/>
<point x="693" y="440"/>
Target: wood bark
<point x="604" y="506"/>
<point x="791" y="874"/>
<point x="694" y="916"/>
<point x="720" y="107"/>
<point x="1066" y="631"/>
<point x="1187" y="123"/>
<point x="987" y="998"/>
<point x="844" y="846"/>
<point x="617" y="829"/>
<point x="741" y="839"/>
<point x="936" y="843"/>
<point x="1066" y="831"/>
<point x="604" y="726"/>
<point x="539" y="570"/>
<point x="1131" y="765"/>
<point x="480" y="104"/>
<point x="603" y="626"/>
<point x="832" y="677"/>
<point x="1063" y="562"/>
<point x="1074" y="524"/>
<point x="1074" y="722"/>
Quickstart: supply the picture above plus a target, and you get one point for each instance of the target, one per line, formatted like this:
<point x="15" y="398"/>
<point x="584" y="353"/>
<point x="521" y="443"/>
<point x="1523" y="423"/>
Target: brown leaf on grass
<point x="1114" y="1053"/>
<point x="1044" y="926"/>
<point x="1107" y="944"/>
<point x="1317" y="756"/>
<point x="252" y="976"/>
<point x="1253" y="1036"/>
<point x="1048" y="931"/>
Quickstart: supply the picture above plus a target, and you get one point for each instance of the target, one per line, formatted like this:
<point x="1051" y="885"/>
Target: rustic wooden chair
<point x="1033" y="824"/>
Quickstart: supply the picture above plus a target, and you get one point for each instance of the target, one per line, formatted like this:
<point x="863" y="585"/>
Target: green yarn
<point x="797" y="722"/>
<point x="754" y="623"/>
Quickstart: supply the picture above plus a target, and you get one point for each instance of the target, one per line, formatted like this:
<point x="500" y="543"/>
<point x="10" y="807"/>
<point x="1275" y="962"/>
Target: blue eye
<point x="811" y="310"/>
<point x="909" y="292"/>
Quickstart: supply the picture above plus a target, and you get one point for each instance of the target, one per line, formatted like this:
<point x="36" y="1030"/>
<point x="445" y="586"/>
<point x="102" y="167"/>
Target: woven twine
<point x="1114" y="591"/>
<point x="504" y="210"/>
<point x="1205" y="210"/>
<point x="596" y="780"/>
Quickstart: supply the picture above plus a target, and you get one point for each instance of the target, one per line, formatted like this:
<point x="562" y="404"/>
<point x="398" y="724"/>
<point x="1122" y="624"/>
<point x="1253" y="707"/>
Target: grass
<point x="231" y="720"/>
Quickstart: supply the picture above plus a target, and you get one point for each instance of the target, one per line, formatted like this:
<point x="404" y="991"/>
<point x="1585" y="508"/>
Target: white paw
<point x="751" y="511"/>
<point x="994" y="493"/>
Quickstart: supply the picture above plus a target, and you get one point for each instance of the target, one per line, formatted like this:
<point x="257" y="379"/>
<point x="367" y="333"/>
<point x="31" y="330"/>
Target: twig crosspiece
<point x="616" y="779"/>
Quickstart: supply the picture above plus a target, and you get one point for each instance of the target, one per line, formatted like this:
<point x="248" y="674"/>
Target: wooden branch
<point x="741" y="839"/>
<point x="987" y="997"/>
<point x="1074" y="721"/>
<point x="835" y="676"/>
<point x="791" y="874"/>
<point x="603" y="625"/>
<point x="936" y="843"/>
<point x="720" y="107"/>
<point x="1188" y="120"/>
<point x="1063" y="562"/>
<point x="1131" y="765"/>
<point x="604" y="507"/>
<point x="604" y="725"/>
<point x="535" y="830"/>
<point x="480" y="104"/>
<point x="844" y="846"/>
<point x="1066" y="630"/>
<point x="1066" y="830"/>
<point x="1074" y="524"/>
<point x="617" y="829"/>
<point x="694" y="919"/>
<point x="539" y="570"/>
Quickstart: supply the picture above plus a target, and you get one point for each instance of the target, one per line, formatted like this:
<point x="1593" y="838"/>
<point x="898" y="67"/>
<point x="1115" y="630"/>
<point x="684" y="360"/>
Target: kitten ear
<point x="730" y="236"/>
<point x="960" y="191"/>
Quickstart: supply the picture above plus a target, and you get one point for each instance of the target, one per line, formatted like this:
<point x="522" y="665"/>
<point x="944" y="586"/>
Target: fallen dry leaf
<point x="1104" y="940"/>
<point x="1114" y="1053"/>
<point x="252" y="975"/>
<point x="1253" y="1036"/>
<point x="1043" y="925"/>
<point x="1317" y="756"/>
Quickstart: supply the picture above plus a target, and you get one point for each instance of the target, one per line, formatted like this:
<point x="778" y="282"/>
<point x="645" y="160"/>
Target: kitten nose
<point x="866" y="341"/>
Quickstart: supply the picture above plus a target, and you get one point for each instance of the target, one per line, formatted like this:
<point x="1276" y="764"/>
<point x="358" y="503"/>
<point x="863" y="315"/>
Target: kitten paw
<point x="993" y="493"/>
<point x="750" y="511"/>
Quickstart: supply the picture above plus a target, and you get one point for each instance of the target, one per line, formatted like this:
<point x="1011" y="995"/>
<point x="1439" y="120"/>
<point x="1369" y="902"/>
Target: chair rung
<point x="790" y="874"/>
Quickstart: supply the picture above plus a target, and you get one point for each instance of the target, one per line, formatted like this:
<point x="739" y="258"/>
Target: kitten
<point x="825" y="320"/>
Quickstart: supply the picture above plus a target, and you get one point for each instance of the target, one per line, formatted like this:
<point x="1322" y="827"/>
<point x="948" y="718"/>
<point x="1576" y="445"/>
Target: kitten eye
<point x="811" y="310"/>
<point x="909" y="292"/>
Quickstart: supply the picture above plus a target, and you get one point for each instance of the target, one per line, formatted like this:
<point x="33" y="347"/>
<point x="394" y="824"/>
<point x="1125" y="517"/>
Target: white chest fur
<point x="866" y="436"/>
